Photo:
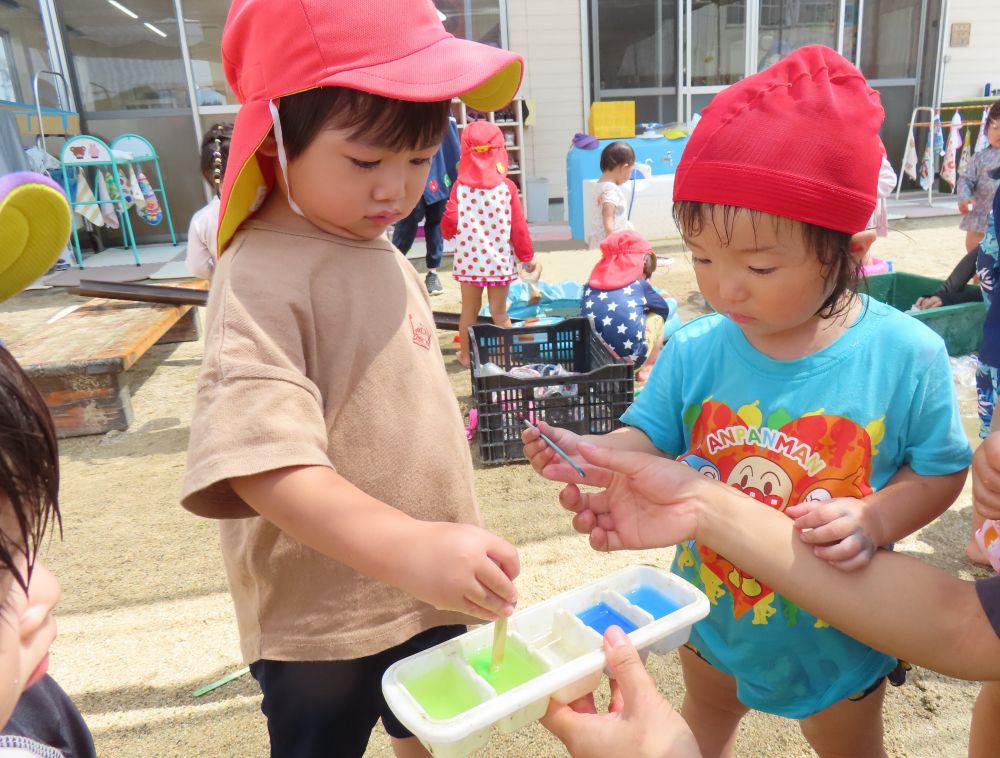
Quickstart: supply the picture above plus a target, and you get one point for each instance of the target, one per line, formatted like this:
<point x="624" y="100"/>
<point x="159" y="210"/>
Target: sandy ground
<point x="146" y="617"/>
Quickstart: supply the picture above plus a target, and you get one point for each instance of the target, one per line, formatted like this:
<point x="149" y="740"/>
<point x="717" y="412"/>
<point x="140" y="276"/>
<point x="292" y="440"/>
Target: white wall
<point x="967" y="69"/>
<point x="548" y="36"/>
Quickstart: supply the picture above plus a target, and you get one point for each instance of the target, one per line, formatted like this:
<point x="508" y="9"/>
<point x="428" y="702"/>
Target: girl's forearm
<point x="896" y="604"/>
<point x="911" y="501"/>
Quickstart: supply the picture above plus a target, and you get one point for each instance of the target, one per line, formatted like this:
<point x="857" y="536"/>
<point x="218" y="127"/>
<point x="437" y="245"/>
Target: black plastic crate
<point x="604" y="386"/>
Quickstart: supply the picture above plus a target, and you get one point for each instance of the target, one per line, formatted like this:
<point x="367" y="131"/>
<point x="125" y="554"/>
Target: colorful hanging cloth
<point x="136" y="190"/>
<point x="86" y="195"/>
<point x="107" y="209"/>
<point x="963" y="162"/>
<point x="948" y="168"/>
<point x="126" y="189"/>
<point x="927" y="164"/>
<point x="981" y="142"/>
<point x="938" y="135"/>
<point x="910" y="157"/>
<point x="150" y="212"/>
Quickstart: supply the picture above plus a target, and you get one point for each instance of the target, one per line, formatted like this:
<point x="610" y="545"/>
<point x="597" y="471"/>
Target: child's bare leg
<point x="711" y="707"/>
<point x="408" y="748"/>
<point x="850" y="728"/>
<point x="972" y="239"/>
<point x="472" y="299"/>
<point x="497" y="297"/>
<point x="985" y="734"/>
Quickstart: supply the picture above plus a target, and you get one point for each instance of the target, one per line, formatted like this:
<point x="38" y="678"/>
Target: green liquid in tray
<point x="444" y="692"/>
<point x="517" y="667"/>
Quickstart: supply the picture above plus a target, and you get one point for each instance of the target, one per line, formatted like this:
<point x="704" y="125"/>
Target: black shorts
<point x="324" y="708"/>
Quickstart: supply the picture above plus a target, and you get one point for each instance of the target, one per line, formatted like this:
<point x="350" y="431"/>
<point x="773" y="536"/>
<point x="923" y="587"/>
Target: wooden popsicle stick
<point x="499" y="642"/>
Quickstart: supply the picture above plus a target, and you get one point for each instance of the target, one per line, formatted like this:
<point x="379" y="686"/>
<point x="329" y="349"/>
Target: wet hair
<point x="831" y="247"/>
<point x="29" y="467"/>
<point x="616" y="154"/>
<point x="215" y="153"/>
<point x="648" y="265"/>
<point x="380" y="121"/>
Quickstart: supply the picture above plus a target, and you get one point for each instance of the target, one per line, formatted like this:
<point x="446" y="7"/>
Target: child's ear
<point x="860" y="244"/>
<point x="269" y="147"/>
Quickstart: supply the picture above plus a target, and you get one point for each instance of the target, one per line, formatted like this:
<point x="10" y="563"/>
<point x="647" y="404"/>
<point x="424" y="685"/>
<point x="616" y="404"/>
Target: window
<point x="8" y="81"/>
<point x="636" y="44"/>
<point x="718" y="42"/>
<point x="479" y="20"/>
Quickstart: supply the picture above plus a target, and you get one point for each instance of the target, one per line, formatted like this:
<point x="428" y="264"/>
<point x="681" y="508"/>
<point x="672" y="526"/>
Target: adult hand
<point x="639" y="721"/>
<point x="986" y="477"/>
<point x="926" y="303"/>
<point x="461" y="567"/>
<point x="843" y="530"/>
<point x="647" y="502"/>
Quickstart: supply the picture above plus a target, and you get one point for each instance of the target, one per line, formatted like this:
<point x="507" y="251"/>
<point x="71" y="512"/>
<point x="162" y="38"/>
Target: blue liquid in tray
<point x="599" y="617"/>
<point x="656" y="604"/>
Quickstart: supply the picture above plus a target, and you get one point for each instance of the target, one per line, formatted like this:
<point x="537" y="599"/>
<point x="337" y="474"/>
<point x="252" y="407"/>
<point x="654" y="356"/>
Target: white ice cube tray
<point x="571" y="652"/>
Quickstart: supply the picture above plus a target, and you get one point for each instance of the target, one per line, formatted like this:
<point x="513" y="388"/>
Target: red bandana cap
<point x="622" y="256"/>
<point x="799" y="140"/>
<point x="391" y="48"/>
<point x="484" y="161"/>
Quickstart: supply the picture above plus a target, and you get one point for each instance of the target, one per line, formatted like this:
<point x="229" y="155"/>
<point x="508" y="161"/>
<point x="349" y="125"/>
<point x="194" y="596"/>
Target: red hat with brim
<point x="799" y="140"/>
<point x="622" y="256"/>
<point x="392" y="48"/>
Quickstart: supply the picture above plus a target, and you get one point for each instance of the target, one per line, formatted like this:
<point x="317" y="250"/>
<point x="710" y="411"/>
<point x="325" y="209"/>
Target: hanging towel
<point x="963" y="162"/>
<point x="927" y="164"/>
<point x="910" y="157"/>
<point x="107" y="209"/>
<point x="981" y="142"/>
<point x="938" y="135"/>
<point x="85" y="195"/>
<point x="126" y="189"/>
<point x="951" y="151"/>
<point x="136" y="190"/>
<point x="150" y="213"/>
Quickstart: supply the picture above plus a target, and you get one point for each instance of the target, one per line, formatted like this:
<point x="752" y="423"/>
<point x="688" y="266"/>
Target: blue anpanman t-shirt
<point x="838" y="423"/>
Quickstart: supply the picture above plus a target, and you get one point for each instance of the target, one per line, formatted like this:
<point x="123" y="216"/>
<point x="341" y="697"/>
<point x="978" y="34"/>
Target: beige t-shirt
<point x="322" y="351"/>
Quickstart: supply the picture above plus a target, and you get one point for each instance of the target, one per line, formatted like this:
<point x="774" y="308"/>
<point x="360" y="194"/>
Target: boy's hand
<point x="545" y="460"/>
<point x="986" y="477"/>
<point x="647" y="502"/>
<point x="461" y="567"/>
<point x="639" y="721"/>
<point x="843" y="530"/>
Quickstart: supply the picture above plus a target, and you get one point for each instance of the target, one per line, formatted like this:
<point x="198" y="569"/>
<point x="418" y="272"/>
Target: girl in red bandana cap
<point x="485" y="218"/>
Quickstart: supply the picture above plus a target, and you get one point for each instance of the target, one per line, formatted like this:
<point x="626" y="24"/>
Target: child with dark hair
<point x="611" y="212"/>
<point x="325" y="435"/>
<point x="201" y="251"/>
<point x="977" y="185"/>
<point x="828" y="406"/>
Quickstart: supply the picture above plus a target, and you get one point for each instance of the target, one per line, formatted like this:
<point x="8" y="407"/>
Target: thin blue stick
<point x="559" y="451"/>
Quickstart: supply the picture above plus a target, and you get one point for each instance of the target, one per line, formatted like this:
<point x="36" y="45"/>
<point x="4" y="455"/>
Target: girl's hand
<point x="461" y="567"/>
<point x="844" y="530"/>
<point x="529" y="266"/>
<point x="639" y="722"/>
<point x="545" y="460"/>
<point x="647" y="502"/>
<point x="964" y="206"/>
<point x="986" y="478"/>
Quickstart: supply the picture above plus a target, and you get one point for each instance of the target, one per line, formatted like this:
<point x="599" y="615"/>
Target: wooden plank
<point x="187" y="329"/>
<point x="83" y="404"/>
<point x="102" y="336"/>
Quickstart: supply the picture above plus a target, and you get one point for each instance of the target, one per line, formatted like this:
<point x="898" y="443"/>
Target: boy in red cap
<point x="799" y="391"/>
<point x="325" y="433"/>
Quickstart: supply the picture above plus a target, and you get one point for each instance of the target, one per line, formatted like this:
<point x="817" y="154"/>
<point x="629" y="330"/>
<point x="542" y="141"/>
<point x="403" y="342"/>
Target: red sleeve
<point x="449" y="222"/>
<point x="520" y="239"/>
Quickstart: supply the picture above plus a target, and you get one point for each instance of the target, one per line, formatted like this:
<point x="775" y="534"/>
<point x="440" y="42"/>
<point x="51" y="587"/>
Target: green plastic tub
<point x="961" y="326"/>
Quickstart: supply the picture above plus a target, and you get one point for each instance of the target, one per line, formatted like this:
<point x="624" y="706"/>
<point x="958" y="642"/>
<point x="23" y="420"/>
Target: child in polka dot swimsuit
<point x="485" y="219"/>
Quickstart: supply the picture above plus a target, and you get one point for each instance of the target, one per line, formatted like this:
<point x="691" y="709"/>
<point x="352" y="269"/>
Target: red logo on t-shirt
<point x="432" y="185"/>
<point x="421" y="334"/>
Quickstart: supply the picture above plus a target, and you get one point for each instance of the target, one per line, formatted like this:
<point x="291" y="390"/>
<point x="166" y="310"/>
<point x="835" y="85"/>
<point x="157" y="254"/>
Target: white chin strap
<point x="282" y="160"/>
